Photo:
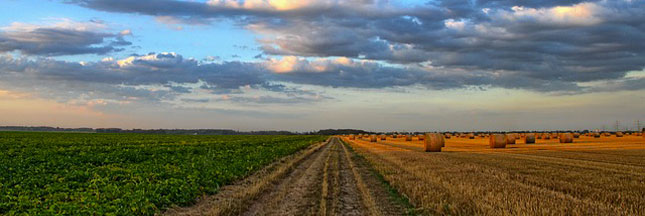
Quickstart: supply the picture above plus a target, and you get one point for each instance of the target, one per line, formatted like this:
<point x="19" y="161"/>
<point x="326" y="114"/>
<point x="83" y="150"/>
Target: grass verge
<point x="392" y="192"/>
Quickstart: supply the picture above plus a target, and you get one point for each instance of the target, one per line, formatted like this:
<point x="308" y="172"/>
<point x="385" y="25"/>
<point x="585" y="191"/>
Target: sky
<point x="304" y="65"/>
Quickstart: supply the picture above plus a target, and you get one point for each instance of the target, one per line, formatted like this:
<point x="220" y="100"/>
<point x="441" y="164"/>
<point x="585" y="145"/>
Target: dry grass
<point x="592" y="176"/>
<point x="367" y="199"/>
<point x="325" y="186"/>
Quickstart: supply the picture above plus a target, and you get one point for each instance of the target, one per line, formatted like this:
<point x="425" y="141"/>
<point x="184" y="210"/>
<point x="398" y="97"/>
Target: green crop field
<point x="126" y="174"/>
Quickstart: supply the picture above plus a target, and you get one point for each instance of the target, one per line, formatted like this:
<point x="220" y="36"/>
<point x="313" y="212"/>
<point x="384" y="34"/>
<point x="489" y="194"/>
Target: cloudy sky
<point x="311" y="64"/>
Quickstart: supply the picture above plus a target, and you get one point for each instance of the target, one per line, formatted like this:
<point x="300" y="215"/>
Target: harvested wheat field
<point x="591" y="176"/>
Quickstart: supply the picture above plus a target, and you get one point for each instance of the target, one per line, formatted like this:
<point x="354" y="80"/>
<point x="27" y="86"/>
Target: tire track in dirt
<point x="325" y="188"/>
<point x="329" y="185"/>
<point x="299" y="192"/>
<point x="325" y="180"/>
<point x="350" y="199"/>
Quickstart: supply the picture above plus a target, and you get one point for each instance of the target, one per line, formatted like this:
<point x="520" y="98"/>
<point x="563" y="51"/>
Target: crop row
<point x="126" y="174"/>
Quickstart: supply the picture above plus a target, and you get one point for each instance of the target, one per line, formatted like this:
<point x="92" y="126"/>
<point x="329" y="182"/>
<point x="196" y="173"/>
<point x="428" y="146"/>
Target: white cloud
<point x="458" y="25"/>
<point x="125" y="32"/>
<point x="279" y="5"/>
<point x="292" y="5"/>
<point x="288" y="64"/>
<point x="161" y="59"/>
<point x="582" y="14"/>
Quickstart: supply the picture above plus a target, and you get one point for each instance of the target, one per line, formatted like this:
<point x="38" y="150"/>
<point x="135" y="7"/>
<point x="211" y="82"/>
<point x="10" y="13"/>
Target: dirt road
<point x="326" y="179"/>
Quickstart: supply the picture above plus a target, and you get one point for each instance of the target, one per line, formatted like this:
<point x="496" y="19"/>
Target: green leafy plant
<point x="126" y="174"/>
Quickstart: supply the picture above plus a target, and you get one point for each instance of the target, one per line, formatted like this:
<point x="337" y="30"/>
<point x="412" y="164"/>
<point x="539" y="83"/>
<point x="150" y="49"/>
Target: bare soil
<point x="325" y="179"/>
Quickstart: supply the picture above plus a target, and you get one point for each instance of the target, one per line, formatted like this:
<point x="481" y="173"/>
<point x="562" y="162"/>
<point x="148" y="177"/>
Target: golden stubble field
<point x="599" y="176"/>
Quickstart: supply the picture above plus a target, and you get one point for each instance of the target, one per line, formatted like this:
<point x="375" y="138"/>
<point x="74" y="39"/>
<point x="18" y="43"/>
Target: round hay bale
<point x="421" y="137"/>
<point x="497" y="141"/>
<point x="383" y="137"/>
<point x="566" y="138"/>
<point x="576" y="135"/>
<point x="596" y="135"/>
<point x="373" y="138"/>
<point x="408" y="137"/>
<point x="447" y="135"/>
<point x="510" y="139"/>
<point x="619" y="134"/>
<point x="433" y="142"/>
<point x="471" y="136"/>
<point x="529" y="138"/>
<point x="352" y="137"/>
<point x="546" y="136"/>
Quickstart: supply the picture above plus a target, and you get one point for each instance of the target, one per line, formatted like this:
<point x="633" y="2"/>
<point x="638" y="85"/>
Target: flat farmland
<point x="135" y="174"/>
<point x="126" y="174"/>
<point x="599" y="176"/>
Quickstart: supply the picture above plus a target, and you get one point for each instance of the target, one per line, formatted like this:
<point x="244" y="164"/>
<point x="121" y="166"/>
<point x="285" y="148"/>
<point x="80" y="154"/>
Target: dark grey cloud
<point x="195" y="100"/>
<point x="166" y="77"/>
<point x="373" y="75"/>
<point x="440" y="45"/>
<point x="264" y="100"/>
<point x="588" y="41"/>
<point x="154" y="77"/>
<point x="150" y="69"/>
<point x="192" y="10"/>
<point x="554" y="49"/>
<point x="56" y="40"/>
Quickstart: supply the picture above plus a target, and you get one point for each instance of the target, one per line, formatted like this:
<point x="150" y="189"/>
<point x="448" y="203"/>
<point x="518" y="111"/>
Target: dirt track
<point x="326" y="179"/>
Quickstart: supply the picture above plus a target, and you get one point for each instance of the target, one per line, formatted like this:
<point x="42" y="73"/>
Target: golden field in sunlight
<point x="599" y="176"/>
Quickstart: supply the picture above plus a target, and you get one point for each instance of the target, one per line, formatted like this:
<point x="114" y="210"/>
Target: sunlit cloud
<point x="583" y="14"/>
<point x="293" y="60"/>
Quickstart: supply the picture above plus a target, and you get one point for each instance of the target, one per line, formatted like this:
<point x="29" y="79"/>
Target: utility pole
<point x="638" y="125"/>
<point x="617" y="126"/>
